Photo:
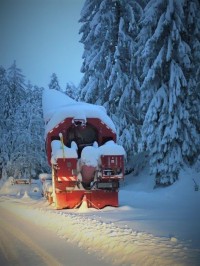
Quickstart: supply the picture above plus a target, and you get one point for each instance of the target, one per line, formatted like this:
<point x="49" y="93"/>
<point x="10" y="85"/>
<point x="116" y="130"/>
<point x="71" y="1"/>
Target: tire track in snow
<point x="7" y="255"/>
<point x="8" y="231"/>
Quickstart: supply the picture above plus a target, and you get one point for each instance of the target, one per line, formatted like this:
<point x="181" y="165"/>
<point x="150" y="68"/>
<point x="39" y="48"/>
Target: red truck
<point x="81" y="147"/>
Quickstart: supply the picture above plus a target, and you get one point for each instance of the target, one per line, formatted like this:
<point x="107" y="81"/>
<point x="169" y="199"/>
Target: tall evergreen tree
<point x="164" y="58"/>
<point x="29" y="155"/>
<point x="36" y="154"/>
<point x="192" y="11"/>
<point x="4" y="117"/>
<point x="123" y="83"/>
<point x="16" y="82"/>
<point x="108" y="33"/>
<point x="16" y="88"/>
<point x="99" y="35"/>
<point x="5" y="97"/>
<point x="22" y="148"/>
<point x="54" y="84"/>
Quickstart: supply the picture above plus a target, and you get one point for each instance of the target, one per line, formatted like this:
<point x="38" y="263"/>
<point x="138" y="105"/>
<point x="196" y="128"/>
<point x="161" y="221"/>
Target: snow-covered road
<point x="110" y="243"/>
<point x="151" y="227"/>
<point x="17" y="242"/>
<point x="23" y="242"/>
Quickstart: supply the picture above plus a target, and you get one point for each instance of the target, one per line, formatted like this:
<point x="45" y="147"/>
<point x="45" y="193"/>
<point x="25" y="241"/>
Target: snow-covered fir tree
<point x="99" y="36"/>
<point x="4" y="99"/>
<point x="36" y="154"/>
<point x="54" y="83"/>
<point x="123" y="84"/>
<point x="16" y="83"/>
<point x="22" y="147"/>
<point x="4" y="119"/>
<point x="192" y="10"/>
<point x="164" y="59"/>
<point x="16" y="92"/>
<point x="29" y="156"/>
<point x="108" y="33"/>
<point x="71" y="91"/>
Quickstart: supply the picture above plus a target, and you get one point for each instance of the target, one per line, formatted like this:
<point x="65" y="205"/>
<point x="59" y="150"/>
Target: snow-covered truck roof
<point x="57" y="106"/>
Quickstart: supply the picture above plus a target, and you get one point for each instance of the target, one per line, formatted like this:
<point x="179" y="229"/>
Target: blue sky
<point x="42" y="36"/>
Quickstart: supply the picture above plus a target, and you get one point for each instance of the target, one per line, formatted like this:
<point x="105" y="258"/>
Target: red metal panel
<point x="69" y="199"/>
<point x="66" y="169"/>
<point x="64" y="185"/>
<point x="95" y="198"/>
<point x="112" y="164"/>
<point x="112" y="161"/>
<point x="65" y="177"/>
<point x="101" y="198"/>
<point x="104" y="131"/>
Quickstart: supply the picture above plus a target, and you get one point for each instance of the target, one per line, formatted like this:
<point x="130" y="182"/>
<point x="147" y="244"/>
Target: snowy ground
<point x="151" y="226"/>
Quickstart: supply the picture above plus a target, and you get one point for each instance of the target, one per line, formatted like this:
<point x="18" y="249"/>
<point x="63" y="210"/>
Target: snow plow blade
<point x="97" y="199"/>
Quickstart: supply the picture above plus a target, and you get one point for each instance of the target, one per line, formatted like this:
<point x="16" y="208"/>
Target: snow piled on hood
<point x="57" y="106"/>
<point x="53" y="100"/>
<point x="111" y="148"/>
<point x="59" y="150"/>
<point x="90" y="155"/>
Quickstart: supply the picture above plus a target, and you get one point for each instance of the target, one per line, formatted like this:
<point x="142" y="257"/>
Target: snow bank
<point x="170" y="211"/>
<point x="25" y="196"/>
<point x="6" y="186"/>
<point x="20" y="190"/>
